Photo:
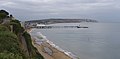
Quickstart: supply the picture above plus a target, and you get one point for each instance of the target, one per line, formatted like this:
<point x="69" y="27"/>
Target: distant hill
<point x="52" y="21"/>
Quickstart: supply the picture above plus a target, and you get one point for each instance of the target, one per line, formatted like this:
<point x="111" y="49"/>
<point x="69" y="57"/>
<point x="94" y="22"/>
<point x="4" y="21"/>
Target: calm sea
<point x="99" y="41"/>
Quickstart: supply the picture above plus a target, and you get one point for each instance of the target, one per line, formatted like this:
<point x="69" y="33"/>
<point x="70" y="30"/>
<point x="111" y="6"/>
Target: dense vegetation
<point x="15" y="42"/>
<point x="9" y="44"/>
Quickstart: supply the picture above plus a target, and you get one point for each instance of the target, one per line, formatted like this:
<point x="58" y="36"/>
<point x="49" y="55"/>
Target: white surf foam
<point x="55" y="46"/>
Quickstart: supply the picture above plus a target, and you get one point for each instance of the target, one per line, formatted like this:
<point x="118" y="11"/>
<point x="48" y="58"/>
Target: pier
<point x="43" y="26"/>
<point x="49" y="27"/>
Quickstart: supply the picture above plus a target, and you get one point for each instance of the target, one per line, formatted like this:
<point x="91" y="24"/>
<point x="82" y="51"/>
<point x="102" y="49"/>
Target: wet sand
<point x="56" y="54"/>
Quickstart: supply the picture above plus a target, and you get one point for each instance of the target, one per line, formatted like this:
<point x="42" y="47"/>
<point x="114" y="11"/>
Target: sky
<point x="101" y="10"/>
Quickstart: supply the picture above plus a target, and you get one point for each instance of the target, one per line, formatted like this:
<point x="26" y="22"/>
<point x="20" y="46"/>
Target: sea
<point x="98" y="41"/>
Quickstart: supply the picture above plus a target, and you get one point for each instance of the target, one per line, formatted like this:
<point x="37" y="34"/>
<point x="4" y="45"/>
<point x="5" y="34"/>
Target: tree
<point x="11" y="15"/>
<point x="4" y="12"/>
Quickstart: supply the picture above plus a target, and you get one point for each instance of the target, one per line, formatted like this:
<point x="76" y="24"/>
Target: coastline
<point x="48" y="49"/>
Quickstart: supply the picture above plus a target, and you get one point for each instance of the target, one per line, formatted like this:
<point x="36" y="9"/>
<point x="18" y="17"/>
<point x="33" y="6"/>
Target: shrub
<point x="3" y="28"/>
<point x="8" y="55"/>
<point x="9" y="42"/>
<point x="17" y="28"/>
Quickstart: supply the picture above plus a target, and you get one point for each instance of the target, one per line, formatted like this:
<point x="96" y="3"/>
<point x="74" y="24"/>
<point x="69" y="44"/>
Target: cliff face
<point x="15" y="42"/>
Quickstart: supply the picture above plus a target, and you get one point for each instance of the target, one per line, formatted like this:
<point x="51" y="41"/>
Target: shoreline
<point x="49" y="50"/>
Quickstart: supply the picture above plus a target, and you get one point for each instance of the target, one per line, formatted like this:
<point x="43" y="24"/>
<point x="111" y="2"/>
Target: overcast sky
<point x="101" y="10"/>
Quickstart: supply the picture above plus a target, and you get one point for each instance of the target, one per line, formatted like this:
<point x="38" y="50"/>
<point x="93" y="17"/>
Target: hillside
<point x="15" y="42"/>
<point x="52" y="21"/>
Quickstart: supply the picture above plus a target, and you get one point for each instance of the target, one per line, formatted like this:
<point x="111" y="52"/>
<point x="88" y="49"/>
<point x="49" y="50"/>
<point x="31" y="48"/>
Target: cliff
<point x="15" y="42"/>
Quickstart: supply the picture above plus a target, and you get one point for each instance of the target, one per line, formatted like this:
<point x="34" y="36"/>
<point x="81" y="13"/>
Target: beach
<point x="49" y="50"/>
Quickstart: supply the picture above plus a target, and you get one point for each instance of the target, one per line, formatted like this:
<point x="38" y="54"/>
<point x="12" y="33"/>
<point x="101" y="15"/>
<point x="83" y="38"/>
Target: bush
<point x="3" y="28"/>
<point x="8" y="55"/>
<point x="17" y="28"/>
<point x="9" y="42"/>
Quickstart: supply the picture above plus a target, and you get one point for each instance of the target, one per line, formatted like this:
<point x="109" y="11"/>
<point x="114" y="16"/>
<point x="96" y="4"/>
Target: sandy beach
<point x="40" y="49"/>
<point x="48" y="51"/>
<point x="56" y="54"/>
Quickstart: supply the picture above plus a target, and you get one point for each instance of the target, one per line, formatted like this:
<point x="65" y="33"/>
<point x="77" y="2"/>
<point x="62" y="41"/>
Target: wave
<point x="44" y="39"/>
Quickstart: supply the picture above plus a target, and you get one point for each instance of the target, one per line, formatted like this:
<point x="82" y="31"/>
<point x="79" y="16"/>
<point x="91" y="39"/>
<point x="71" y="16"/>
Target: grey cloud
<point x="36" y="9"/>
